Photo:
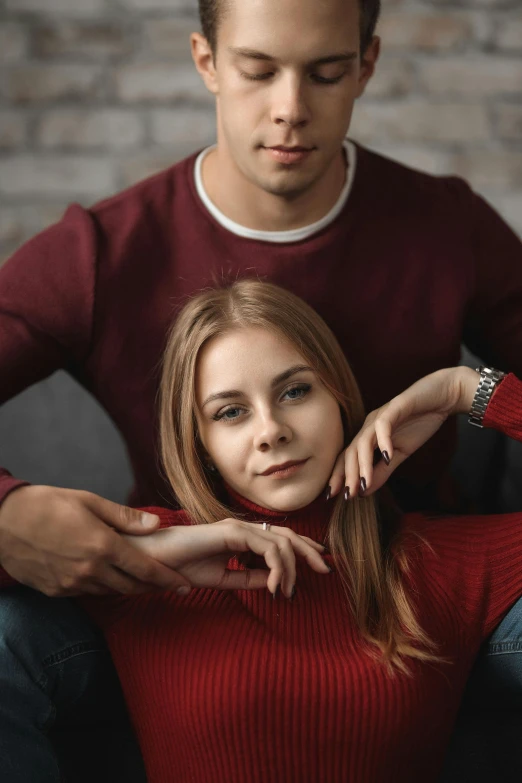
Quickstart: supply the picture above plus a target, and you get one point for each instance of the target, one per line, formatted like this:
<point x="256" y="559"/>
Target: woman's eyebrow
<point x="231" y="393"/>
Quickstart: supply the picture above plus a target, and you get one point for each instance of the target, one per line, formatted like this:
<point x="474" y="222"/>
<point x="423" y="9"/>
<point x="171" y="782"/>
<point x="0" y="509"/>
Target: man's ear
<point x="204" y="61"/>
<point x="368" y="63"/>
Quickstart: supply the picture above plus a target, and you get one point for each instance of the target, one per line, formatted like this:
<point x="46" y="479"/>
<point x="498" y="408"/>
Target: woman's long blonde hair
<point x="371" y="571"/>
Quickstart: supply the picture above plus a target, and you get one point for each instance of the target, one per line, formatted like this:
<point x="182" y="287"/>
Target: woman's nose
<point x="271" y="433"/>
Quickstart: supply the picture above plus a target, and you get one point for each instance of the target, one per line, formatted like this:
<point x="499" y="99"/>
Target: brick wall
<point x="96" y="94"/>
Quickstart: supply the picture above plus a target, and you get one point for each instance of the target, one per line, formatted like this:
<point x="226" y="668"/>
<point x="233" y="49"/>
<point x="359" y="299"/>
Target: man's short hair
<point x="211" y="11"/>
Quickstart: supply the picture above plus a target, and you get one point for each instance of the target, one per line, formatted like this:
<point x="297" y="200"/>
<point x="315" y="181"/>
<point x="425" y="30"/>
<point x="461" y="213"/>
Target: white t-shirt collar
<point x="294" y="235"/>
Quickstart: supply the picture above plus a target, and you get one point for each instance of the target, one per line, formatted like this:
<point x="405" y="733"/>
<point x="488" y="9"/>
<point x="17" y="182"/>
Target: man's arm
<point x="61" y="541"/>
<point x="493" y="329"/>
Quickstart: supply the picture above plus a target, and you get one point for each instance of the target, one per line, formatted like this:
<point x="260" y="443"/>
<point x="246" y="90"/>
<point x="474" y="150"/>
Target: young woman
<point x="357" y="674"/>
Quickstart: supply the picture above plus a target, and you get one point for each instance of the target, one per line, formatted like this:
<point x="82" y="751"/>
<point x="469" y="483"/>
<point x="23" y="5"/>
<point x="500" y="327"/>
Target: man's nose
<point x="289" y="105"/>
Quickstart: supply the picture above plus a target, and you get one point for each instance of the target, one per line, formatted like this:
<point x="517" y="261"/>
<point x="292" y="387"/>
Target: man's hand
<point x="65" y="542"/>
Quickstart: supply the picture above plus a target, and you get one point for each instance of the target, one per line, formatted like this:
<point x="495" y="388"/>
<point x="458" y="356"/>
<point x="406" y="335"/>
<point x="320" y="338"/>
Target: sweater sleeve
<point x="46" y="308"/>
<point x="494" y="322"/>
<point x="504" y="411"/>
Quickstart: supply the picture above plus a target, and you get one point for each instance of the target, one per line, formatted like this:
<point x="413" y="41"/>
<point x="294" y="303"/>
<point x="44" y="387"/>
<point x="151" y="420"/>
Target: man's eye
<point x="255" y="77"/>
<point x="324" y="80"/>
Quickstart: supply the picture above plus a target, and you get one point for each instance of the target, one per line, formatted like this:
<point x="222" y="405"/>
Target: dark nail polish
<point x="329" y="568"/>
<point x="347" y="493"/>
<point x="275" y="593"/>
<point x="328" y="493"/>
<point x="362" y="483"/>
<point x="386" y="457"/>
<point x="326" y="549"/>
<point x="292" y="594"/>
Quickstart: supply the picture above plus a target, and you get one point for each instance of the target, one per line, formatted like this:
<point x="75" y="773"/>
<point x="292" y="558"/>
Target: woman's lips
<point x="288" y="156"/>
<point x="286" y="472"/>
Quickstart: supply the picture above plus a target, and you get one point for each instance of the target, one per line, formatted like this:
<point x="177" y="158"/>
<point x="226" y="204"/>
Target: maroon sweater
<point x="408" y="264"/>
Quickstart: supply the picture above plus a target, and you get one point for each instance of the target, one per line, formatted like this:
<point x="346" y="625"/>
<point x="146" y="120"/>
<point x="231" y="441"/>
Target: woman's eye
<point x="298" y="392"/>
<point x="229" y="414"/>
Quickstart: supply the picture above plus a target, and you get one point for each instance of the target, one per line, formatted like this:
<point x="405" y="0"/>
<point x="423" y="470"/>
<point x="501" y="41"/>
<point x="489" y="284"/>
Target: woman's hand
<point x="400" y="427"/>
<point x="200" y="553"/>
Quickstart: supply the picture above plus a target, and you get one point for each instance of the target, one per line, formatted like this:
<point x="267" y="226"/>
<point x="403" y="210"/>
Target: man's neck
<point x="251" y="207"/>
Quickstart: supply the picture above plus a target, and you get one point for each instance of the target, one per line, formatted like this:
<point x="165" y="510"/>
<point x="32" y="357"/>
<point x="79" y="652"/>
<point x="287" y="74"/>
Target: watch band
<point x="488" y="381"/>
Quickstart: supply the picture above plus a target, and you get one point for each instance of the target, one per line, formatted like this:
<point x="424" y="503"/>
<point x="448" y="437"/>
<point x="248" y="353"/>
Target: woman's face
<point x="260" y="406"/>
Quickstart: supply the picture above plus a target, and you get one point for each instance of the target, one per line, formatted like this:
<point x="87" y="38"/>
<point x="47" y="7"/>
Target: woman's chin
<point x="287" y="498"/>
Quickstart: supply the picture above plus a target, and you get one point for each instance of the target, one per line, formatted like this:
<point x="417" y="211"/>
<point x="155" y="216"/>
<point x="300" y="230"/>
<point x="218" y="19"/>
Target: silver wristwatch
<point x="489" y="380"/>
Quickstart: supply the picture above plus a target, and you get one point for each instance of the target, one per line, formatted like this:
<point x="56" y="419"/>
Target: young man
<point x="400" y="264"/>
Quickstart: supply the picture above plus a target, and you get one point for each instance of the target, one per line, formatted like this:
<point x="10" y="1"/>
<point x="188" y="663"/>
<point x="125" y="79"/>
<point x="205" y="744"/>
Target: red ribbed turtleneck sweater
<point x="235" y="686"/>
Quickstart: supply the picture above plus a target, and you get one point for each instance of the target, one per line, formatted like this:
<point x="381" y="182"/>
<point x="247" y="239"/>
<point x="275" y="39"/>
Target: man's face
<point x="287" y="73"/>
<point x="260" y="406"/>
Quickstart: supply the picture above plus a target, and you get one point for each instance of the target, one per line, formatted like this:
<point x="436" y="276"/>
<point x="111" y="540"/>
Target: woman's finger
<point x="383" y="434"/>
<point x="351" y="469"/>
<point x="336" y="480"/>
<point x="305" y="547"/>
<point x="365" y="451"/>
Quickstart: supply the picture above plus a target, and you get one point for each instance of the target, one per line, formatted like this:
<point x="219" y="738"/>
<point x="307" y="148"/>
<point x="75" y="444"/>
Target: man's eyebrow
<point x="284" y="376"/>
<point x="253" y="54"/>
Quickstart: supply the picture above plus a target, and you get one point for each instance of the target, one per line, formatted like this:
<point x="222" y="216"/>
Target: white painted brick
<point x="420" y="122"/>
<point x="13" y="130"/>
<point x="508" y="34"/>
<point x="425" y="30"/>
<point x="71" y="128"/>
<point x="51" y="7"/>
<point x="160" y="82"/>
<point x="170" y="37"/>
<point x="184" y="126"/>
<point x="490" y="168"/>
<point x="160" y="5"/>
<point x="37" y="83"/>
<point x="422" y="158"/>
<point x="509" y="121"/>
<point x="11" y="228"/>
<point x="393" y="78"/>
<point x="509" y="205"/>
<point x="147" y="164"/>
<point x="474" y="76"/>
<point x="13" y="42"/>
<point x="82" y="39"/>
<point x="30" y="175"/>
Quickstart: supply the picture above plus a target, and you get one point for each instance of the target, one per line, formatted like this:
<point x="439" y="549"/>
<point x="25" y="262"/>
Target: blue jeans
<point x="62" y="710"/>
<point x="62" y="713"/>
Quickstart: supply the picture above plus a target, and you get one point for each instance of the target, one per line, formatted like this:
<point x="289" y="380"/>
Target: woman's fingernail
<point x="328" y="493"/>
<point x="347" y="493"/>
<point x="292" y="594"/>
<point x="275" y="593"/>
<point x="362" y="484"/>
<point x="386" y="457"/>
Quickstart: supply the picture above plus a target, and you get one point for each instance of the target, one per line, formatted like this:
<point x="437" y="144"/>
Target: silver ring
<point x="266" y="526"/>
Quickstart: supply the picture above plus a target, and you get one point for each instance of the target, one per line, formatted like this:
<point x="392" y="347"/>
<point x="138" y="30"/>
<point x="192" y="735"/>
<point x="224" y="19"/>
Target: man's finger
<point x="123" y="518"/>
